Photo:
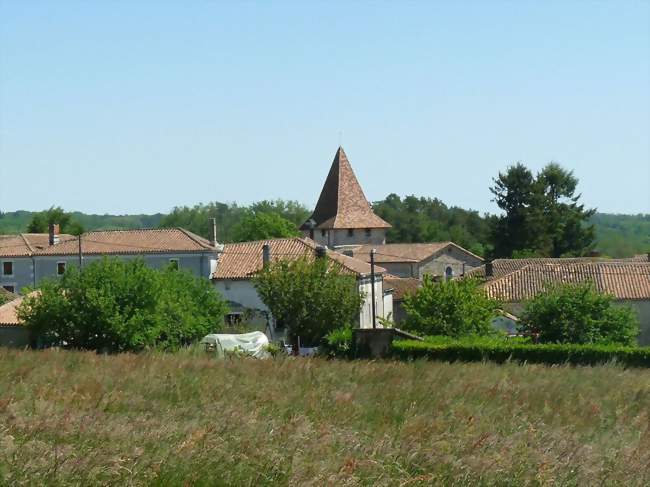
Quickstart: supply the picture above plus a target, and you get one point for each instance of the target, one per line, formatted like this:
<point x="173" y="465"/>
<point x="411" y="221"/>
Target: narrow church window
<point x="368" y="232"/>
<point x="350" y="232"/>
<point x="449" y="273"/>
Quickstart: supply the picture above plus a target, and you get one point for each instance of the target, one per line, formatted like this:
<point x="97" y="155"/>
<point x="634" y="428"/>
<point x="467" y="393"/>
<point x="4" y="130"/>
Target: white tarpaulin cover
<point x="253" y="343"/>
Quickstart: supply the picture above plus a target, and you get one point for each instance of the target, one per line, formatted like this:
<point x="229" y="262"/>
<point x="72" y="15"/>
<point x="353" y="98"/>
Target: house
<point x="343" y="215"/>
<point x="27" y="258"/>
<point x="628" y="281"/>
<point x="400" y="287"/>
<point x="414" y="260"/>
<point x="12" y="332"/>
<point x="239" y="262"/>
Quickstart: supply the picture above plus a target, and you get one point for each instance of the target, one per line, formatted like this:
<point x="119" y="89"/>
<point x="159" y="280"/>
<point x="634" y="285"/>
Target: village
<point x="344" y="229"/>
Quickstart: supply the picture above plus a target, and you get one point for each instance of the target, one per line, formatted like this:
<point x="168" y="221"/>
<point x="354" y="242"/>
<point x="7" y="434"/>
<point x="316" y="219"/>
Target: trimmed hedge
<point x="522" y="352"/>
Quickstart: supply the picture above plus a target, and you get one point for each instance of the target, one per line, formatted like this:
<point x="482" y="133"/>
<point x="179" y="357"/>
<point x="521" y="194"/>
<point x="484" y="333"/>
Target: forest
<point x="414" y="219"/>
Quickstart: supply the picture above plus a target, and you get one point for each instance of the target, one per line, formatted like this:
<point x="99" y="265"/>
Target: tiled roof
<point x="404" y="252"/>
<point x="401" y="286"/>
<point x="108" y="242"/>
<point x="243" y="260"/>
<point x="502" y="267"/>
<point x="624" y="280"/>
<point x="25" y="244"/>
<point x="641" y="257"/>
<point x="342" y="203"/>
<point x="8" y="312"/>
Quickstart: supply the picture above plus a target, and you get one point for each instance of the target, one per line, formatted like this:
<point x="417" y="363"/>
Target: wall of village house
<point x="23" y="273"/>
<point x="449" y="257"/>
<point x="400" y="269"/>
<point x="28" y="272"/>
<point x="365" y="317"/>
<point x="338" y="237"/>
<point x="14" y="336"/>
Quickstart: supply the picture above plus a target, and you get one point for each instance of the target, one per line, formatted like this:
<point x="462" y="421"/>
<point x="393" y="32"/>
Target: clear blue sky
<point x="138" y="106"/>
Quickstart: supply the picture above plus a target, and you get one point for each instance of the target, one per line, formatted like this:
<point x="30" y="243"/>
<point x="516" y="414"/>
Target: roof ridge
<point x="29" y="245"/>
<point x="196" y="238"/>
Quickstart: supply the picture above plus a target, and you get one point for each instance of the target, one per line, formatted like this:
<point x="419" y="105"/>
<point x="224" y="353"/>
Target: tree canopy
<point x="40" y="222"/>
<point x="261" y="226"/>
<point x="451" y="308"/>
<point x="115" y="305"/>
<point x="542" y="214"/>
<point x="577" y="313"/>
<point x="309" y="298"/>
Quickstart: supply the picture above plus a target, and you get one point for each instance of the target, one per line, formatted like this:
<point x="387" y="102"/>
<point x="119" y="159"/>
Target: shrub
<point x="310" y="298"/>
<point x="452" y="308"/>
<point x="337" y="343"/>
<point x="577" y="313"/>
<point x="116" y="306"/>
<point x="502" y="351"/>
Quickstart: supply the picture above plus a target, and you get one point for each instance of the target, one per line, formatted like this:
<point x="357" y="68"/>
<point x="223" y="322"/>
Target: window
<point x="350" y="232"/>
<point x="9" y="287"/>
<point x="323" y="233"/>
<point x="449" y="273"/>
<point x="60" y="268"/>
<point x="234" y="318"/>
<point x="173" y="263"/>
<point x="7" y="268"/>
<point x="368" y="232"/>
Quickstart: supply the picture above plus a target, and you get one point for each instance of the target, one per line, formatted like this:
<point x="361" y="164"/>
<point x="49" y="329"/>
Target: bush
<point x="577" y="313"/>
<point x="337" y="343"/>
<point x="452" y="308"/>
<point x="504" y="350"/>
<point x="116" y="306"/>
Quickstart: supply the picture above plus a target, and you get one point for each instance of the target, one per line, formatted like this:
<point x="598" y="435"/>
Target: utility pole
<point x="372" y="286"/>
<point x="80" y="255"/>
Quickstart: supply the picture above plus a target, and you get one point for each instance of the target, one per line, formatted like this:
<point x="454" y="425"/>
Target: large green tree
<point x="451" y="308"/>
<point x="116" y="306"/>
<point x="310" y="298"/>
<point x="577" y="313"/>
<point x="542" y="214"/>
<point x="261" y="226"/>
<point x="41" y="221"/>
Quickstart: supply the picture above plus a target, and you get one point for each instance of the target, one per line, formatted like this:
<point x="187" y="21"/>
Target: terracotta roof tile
<point x="401" y="286"/>
<point x="243" y="260"/>
<point x="342" y="203"/>
<point x="404" y="252"/>
<point x="624" y="280"/>
<point x="130" y="242"/>
<point x="8" y="312"/>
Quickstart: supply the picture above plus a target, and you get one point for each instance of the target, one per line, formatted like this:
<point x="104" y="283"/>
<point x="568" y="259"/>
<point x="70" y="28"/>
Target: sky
<point x="139" y="106"/>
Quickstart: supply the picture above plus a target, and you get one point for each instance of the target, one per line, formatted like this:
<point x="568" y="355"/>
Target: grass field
<point x="81" y="418"/>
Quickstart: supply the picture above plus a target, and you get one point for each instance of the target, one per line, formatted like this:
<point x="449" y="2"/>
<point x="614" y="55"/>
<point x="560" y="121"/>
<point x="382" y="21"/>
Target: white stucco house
<point x="239" y="262"/>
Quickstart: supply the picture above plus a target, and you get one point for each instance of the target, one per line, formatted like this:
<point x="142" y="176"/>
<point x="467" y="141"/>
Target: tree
<point x="542" y="214"/>
<point x="41" y="221"/>
<point x="119" y="306"/>
<point x="261" y="226"/>
<point x="451" y="308"/>
<point x="309" y="298"/>
<point x="577" y="313"/>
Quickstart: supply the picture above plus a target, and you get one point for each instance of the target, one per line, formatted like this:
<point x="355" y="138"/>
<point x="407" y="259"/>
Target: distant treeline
<point x="414" y="219"/>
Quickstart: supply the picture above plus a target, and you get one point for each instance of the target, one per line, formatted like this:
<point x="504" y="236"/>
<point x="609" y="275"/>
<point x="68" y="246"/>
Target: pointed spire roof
<point x="342" y="203"/>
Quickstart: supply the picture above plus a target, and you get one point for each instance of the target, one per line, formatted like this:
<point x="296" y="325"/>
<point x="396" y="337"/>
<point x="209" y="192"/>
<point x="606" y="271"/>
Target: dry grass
<point x="81" y="418"/>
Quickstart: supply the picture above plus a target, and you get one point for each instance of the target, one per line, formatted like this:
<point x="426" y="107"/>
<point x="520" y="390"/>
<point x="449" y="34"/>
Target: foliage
<point x="74" y="418"/>
<point x="337" y="343"/>
<point x="42" y="220"/>
<point x="230" y="216"/>
<point x="542" y="213"/>
<point x="423" y="219"/>
<point x="577" y="313"/>
<point x="5" y="296"/>
<point x="622" y="235"/>
<point x="262" y="226"/>
<point x="453" y="308"/>
<point x="502" y="351"/>
<point x="309" y="298"/>
<point x="115" y="306"/>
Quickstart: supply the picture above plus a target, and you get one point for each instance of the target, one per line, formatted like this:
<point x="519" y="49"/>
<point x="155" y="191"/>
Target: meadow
<point x="73" y="418"/>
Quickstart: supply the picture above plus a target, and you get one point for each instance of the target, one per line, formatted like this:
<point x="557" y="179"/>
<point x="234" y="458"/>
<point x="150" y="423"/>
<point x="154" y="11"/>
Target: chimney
<point x="54" y="233"/>
<point x="489" y="269"/>
<point x="214" y="231"/>
<point x="266" y="254"/>
<point x="321" y="251"/>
